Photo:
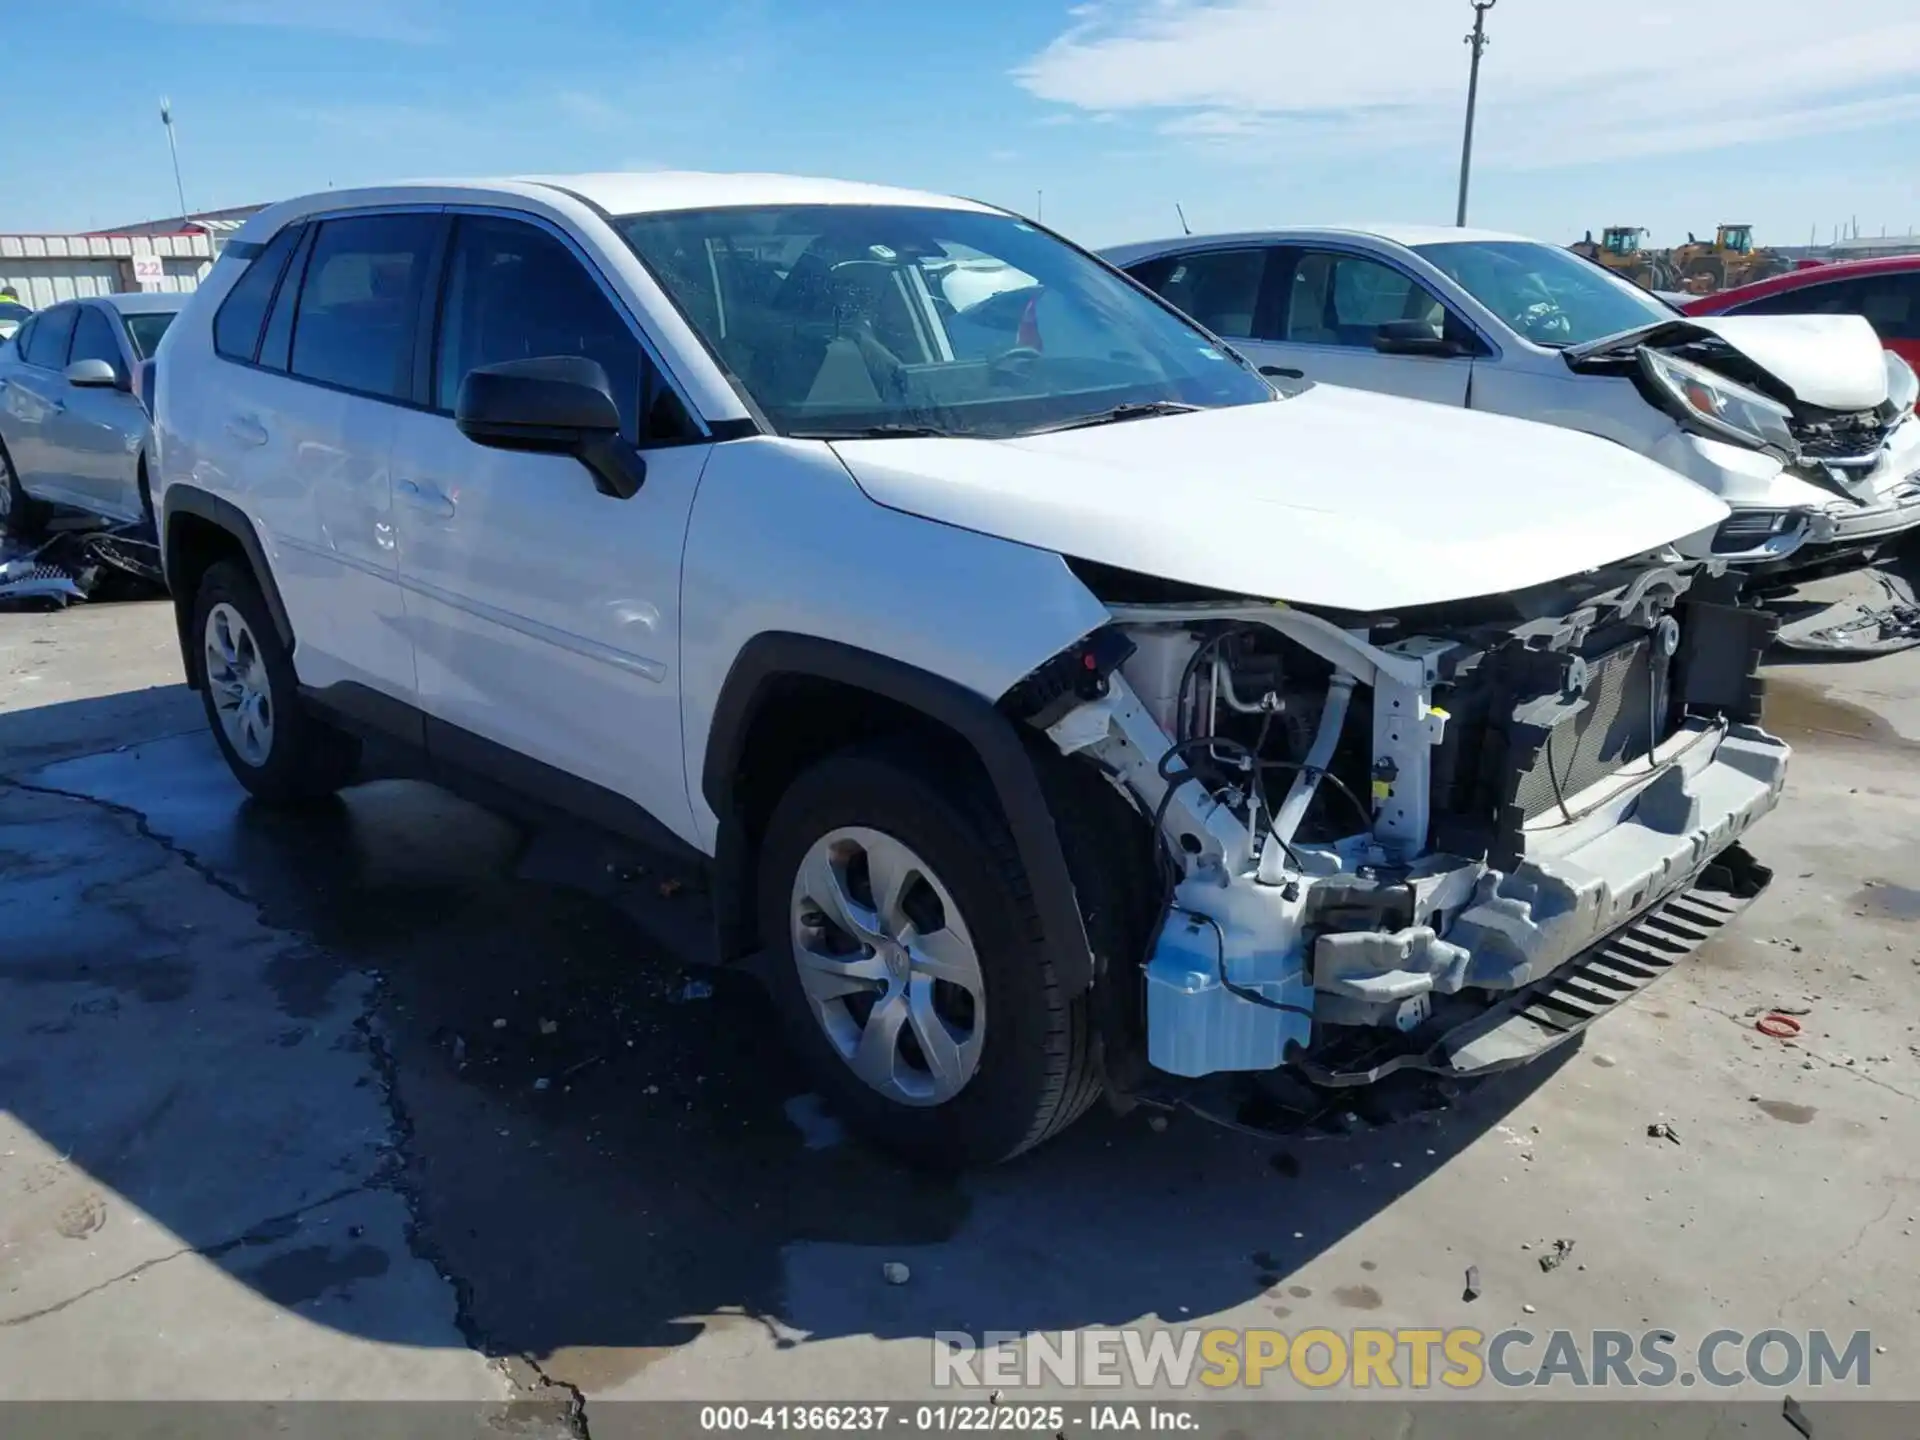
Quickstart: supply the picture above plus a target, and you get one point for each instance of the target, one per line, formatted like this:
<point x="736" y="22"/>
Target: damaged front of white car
<point x="1443" y="746"/>
<point x="1804" y="425"/>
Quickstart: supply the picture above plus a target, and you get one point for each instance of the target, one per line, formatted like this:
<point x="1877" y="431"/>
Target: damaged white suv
<point x="1053" y="705"/>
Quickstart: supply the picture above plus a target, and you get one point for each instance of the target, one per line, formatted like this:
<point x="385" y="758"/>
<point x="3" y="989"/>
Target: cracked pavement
<point x="397" y="1100"/>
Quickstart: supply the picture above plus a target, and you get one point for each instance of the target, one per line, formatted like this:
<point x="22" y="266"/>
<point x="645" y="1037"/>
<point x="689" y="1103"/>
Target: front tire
<point x="908" y="963"/>
<point x="275" y="747"/>
<point x="20" y="515"/>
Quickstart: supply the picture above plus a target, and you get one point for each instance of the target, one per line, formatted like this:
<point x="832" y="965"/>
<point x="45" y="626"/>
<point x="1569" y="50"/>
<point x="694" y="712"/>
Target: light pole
<point x="166" y="119"/>
<point x="1478" y="40"/>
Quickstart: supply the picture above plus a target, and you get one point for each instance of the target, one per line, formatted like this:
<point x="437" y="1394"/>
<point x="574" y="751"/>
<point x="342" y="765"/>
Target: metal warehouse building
<point x="168" y="255"/>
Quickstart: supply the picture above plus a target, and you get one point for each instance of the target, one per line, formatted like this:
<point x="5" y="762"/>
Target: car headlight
<point x="1719" y="407"/>
<point x="1903" y="386"/>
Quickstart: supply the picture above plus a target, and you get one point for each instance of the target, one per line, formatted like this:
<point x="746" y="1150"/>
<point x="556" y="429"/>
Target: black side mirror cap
<point x="1415" y="337"/>
<point x="551" y="405"/>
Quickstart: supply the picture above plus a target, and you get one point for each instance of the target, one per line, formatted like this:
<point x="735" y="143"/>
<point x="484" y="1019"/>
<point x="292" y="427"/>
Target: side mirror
<point x="551" y="405"/>
<point x="93" y="375"/>
<point x="1414" y="337"/>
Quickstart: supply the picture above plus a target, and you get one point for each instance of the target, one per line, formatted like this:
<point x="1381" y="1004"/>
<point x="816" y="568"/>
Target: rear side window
<point x="278" y="339"/>
<point x="1219" y="288"/>
<point x="358" y="299"/>
<point x="236" y="326"/>
<point x="47" y="345"/>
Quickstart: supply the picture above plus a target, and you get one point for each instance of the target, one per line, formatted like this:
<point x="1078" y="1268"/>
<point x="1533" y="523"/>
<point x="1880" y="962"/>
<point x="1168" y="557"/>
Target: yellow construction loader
<point x="1730" y="260"/>
<point x="1621" y="251"/>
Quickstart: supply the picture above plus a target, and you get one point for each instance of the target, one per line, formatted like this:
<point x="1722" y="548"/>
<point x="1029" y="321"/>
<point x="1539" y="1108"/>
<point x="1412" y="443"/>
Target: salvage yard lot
<point x="394" y="1100"/>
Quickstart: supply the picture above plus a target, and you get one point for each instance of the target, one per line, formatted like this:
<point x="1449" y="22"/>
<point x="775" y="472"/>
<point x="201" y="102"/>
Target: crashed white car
<point x="1052" y="705"/>
<point x="1803" y="425"/>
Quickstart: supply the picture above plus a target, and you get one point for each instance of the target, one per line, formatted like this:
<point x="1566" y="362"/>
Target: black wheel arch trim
<point x="994" y="739"/>
<point x="191" y="500"/>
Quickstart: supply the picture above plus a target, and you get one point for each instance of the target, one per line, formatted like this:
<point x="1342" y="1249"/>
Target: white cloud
<point x="1561" y="83"/>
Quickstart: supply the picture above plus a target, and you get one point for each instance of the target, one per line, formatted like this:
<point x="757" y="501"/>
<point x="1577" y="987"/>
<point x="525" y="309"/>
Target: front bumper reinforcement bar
<point x="1527" y="1023"/>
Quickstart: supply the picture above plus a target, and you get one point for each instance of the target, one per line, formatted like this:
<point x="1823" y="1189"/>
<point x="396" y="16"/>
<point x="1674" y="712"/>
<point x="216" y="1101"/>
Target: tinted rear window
<point x="236" y="328"/>
<point x="47" y="345"/>
<point x="354" y="325"/>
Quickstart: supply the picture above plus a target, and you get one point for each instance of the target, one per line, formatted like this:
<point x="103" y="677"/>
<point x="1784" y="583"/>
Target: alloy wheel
<point x="238" y="682"/>
<point x="888" y="966"/>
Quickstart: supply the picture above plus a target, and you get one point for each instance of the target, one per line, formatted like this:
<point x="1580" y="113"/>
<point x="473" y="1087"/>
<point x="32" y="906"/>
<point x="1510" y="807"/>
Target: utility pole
<point x="1478" y="40"/>
<point x="1040" y="205"/>
<point x="166" y="119"/>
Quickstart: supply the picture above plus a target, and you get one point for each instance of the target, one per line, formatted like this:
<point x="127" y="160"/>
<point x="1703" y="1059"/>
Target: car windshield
<point x="1549" y="295"/>
<point x="850" y="320"/>
<point x="146" y="330"/>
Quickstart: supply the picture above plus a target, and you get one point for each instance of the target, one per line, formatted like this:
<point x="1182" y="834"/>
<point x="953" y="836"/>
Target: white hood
<point x="1337" y="498"/>
<point x="1833" y="361"/>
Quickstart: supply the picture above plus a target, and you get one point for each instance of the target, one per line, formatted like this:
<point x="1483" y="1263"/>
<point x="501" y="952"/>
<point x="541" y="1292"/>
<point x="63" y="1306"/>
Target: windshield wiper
<point x="891" y="430"/>
<point x="1136" y="410"/>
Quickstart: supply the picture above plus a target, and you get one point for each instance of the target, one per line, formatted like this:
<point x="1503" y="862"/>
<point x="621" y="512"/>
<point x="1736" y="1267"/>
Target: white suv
<point x="941" y="621"/>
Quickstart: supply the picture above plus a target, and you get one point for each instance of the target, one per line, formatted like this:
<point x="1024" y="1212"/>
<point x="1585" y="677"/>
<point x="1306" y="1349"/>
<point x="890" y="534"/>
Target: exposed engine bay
<point x="1385" y="839"/>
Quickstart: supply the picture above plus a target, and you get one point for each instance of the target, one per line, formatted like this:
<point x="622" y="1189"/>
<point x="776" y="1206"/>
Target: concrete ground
<point x="396" y="1100"/>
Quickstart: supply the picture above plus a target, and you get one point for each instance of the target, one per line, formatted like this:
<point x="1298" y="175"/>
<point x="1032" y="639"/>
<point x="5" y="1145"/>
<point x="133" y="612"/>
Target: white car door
<point x="544" y="614"/>
<point x="1342" y="318"/>
<point x="321" y="367"/>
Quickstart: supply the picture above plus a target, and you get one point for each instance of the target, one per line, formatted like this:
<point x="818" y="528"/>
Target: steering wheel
<point x="1546" y="320"/>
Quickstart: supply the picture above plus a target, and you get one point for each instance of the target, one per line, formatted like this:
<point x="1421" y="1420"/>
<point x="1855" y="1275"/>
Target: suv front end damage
<point x="1446" y="839"/>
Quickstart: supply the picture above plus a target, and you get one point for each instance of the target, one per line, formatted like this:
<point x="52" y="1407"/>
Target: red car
<point x="1886" y="291"/>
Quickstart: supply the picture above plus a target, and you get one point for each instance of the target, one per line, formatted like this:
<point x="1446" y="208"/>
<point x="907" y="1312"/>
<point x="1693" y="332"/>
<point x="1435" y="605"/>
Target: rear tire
<point x="1022" y="1054"/>
<point x="21" y="516"/>
<point x="279" y="750"/>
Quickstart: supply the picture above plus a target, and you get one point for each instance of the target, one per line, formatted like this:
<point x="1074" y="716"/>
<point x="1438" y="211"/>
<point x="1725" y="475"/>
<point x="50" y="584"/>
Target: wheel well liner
<point x="196" y="531"/>
<point x="776" y="667"/>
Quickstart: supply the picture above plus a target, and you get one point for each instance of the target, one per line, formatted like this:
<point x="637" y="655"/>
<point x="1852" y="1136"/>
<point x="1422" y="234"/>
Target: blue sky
<point x="1246" y="112"/>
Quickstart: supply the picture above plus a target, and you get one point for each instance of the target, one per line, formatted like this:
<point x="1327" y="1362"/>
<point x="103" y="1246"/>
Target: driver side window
<point x="1339" y="299"/>
<point x="514" y="292"/>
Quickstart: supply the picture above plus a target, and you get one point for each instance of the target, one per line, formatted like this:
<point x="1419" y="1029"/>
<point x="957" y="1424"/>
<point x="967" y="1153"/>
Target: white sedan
<point x="1797" y="422"/>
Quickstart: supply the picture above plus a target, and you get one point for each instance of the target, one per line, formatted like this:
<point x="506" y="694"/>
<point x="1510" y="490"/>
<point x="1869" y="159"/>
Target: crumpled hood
<point x="1335" y="497"/>
<point x="1833" y="361"/>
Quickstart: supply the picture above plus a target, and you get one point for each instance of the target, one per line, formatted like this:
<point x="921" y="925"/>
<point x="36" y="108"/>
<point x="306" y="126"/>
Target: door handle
<point x="1283" y="370"/>
<point x="429" y="498"/>
<point x="247" y="430"/>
